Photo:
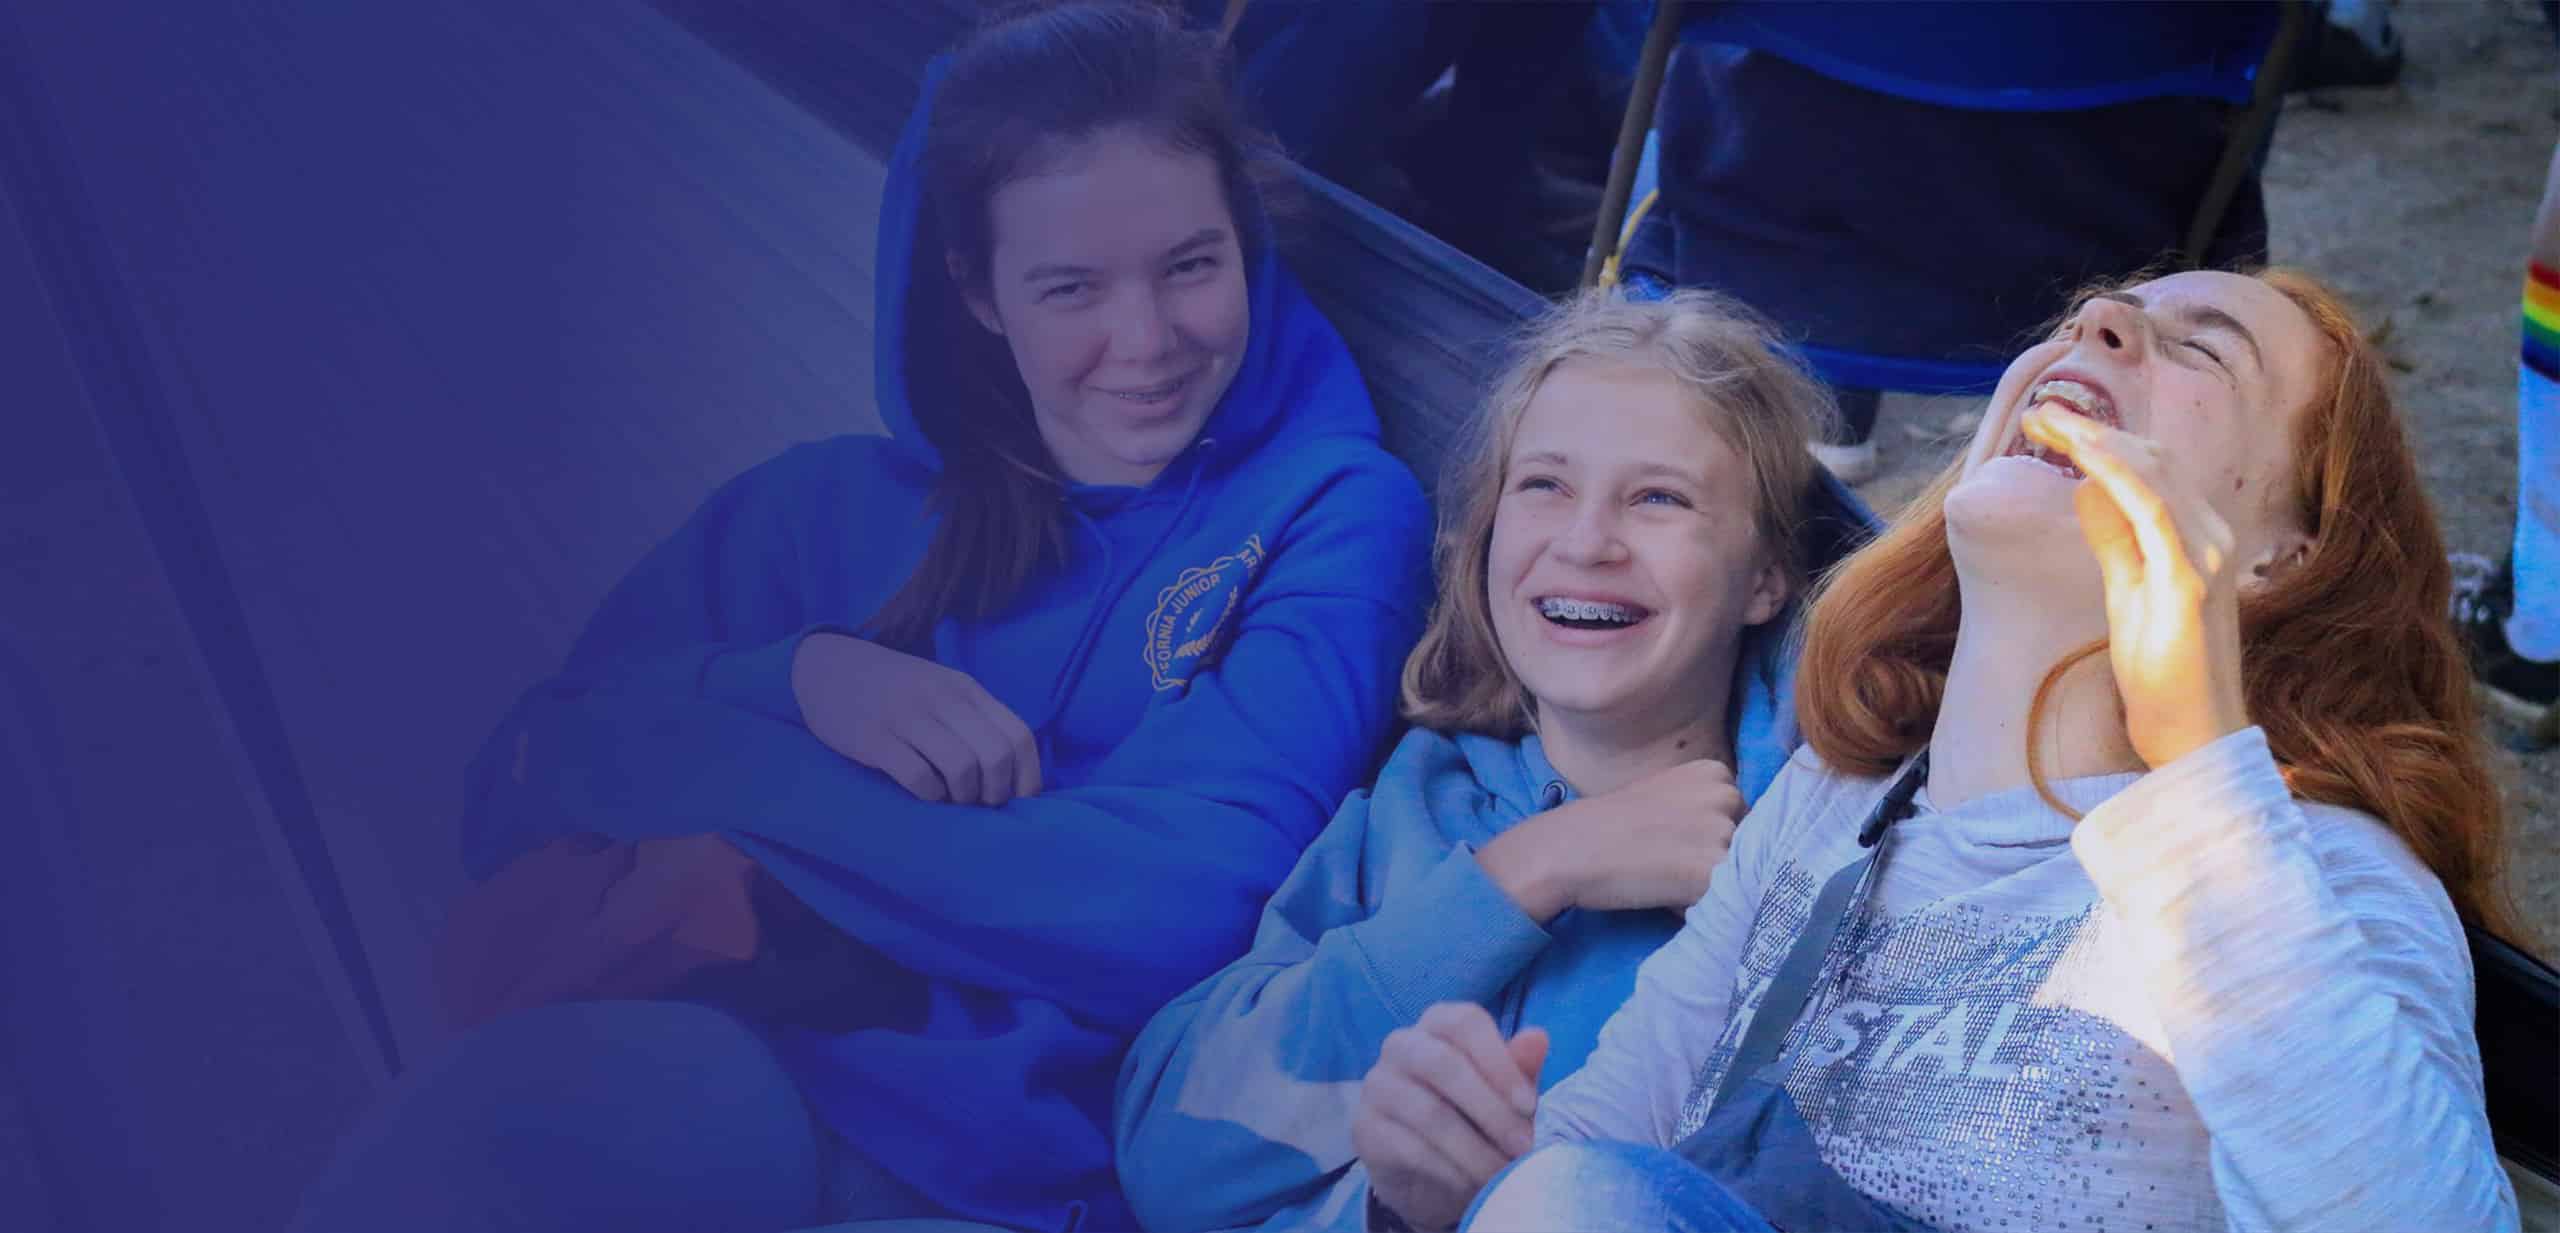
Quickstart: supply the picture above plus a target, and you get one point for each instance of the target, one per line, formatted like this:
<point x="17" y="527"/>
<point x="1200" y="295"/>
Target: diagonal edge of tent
<point x="128" y="399"/>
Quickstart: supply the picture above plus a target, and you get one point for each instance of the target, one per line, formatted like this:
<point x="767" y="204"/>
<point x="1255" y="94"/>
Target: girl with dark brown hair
<point x="880" y="805"/>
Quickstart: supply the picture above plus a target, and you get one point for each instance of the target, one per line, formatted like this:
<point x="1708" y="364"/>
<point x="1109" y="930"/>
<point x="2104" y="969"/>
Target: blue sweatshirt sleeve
<point x="715" y="611"/>
<point x="718" y="610"/>
<point x="1105" y="898"/>
<point x="1236" y="1101"/>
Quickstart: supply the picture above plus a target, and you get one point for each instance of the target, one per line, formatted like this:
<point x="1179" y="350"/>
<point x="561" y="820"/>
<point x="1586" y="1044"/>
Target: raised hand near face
<point x="2172" y="578"/>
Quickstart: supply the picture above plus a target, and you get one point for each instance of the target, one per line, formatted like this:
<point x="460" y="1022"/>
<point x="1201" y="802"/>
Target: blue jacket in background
<point x="1237" y="1101"/>
<point x="2008" y="57"/>
<point x="1211" y="669"/>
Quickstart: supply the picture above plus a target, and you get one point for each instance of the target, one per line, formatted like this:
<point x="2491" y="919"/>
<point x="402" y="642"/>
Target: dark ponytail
<point x="1027" y="81"/>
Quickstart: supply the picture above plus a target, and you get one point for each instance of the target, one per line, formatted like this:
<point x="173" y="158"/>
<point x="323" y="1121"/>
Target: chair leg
<point x="2249" y="129"/>
<point x="1658" y="42"/>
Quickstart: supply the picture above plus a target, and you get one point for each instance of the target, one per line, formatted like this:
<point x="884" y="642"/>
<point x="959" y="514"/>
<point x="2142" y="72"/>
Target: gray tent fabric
<point x="404" y="361"/>
<point x="182" y="1045"/>
<point x="353" y="351"/>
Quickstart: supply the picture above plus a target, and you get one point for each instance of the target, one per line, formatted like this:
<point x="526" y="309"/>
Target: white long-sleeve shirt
<point x="2205" y="1005"/>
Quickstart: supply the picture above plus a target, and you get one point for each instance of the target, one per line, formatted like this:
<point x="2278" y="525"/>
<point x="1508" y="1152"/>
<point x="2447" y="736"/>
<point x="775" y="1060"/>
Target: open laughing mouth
<point x="2073" y="396"/>
<point x="1590" y="614"/>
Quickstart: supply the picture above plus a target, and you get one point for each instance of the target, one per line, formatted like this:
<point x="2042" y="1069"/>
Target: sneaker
<point x="2365" y="53"/>
<point x="1853" y="464"/>
<point x="2482" y="597"/>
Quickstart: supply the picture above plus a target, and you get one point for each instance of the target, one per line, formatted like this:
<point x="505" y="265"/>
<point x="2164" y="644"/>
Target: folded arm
<point x="1108" y="896"/>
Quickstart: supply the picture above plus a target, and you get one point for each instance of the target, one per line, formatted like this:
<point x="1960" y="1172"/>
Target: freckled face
<point x="2215" y="367"/>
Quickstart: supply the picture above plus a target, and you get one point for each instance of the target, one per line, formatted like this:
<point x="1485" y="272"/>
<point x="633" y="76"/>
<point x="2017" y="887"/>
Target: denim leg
<point x="1608" y="1187"/>
<point x="1857" y="412"/>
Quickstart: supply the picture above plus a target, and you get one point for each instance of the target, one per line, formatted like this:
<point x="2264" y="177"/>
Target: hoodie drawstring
<point x="1107" y="596"/>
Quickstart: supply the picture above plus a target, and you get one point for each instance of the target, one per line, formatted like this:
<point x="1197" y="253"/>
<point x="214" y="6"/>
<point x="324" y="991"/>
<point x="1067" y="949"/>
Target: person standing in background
<point x="2509" y="613"/>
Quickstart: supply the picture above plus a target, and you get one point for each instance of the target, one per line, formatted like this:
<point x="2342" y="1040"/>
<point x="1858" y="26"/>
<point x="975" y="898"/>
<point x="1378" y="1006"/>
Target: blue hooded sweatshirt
<point x="1210" y="670"/>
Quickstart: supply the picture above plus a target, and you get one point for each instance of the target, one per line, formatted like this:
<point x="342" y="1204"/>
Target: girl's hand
<point x="1448" y="1105"/>
<point x="1651" y="844"/>
<point x="2172" y="581"/>
<point x="934" y="730"/>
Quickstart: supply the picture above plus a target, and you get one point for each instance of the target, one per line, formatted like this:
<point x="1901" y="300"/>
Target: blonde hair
<point x="1744" y="388"/>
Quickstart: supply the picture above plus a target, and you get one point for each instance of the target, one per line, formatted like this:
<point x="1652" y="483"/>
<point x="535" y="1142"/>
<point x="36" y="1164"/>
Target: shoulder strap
<point x="1837" y="901"/>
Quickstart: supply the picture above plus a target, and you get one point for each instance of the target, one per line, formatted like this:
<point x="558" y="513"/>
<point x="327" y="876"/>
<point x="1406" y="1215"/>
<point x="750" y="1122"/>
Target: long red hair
<point x="2351" y="665"/>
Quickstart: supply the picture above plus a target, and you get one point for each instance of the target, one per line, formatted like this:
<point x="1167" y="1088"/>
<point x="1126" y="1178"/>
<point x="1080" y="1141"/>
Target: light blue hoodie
<point x="1211" y="668"/>
<point x="1236" y="1102"/>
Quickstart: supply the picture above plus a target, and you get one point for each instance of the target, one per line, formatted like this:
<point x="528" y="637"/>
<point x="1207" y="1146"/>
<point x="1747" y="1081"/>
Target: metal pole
<point x="1658" y="42"/>
<point x="2249" y="131"/>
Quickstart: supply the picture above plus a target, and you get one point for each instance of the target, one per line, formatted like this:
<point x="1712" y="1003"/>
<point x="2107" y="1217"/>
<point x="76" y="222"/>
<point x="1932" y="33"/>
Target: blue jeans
<point x="1605" y="1187"/>
<point x="600" y="1116"/>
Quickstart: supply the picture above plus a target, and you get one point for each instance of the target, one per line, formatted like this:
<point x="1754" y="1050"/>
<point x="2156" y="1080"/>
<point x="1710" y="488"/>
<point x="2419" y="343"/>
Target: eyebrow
<point x="1554" y="459"/>
<point x="2205" y="318"/>
<point x="1203" y="238"/>
<point x="2201" y="316"/>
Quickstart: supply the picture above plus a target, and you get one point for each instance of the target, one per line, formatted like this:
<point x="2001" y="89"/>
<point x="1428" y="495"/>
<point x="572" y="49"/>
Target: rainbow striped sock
<point x="2542" y="320"/>
<point x="2534" y="628"/>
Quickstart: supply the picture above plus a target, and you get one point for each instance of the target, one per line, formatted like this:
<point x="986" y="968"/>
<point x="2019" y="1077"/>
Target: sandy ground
<point x="2415" y="199"/>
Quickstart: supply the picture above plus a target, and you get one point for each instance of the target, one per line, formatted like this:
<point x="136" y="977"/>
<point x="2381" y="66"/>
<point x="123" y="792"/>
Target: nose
<point x="1141" y="329"/>
<point x="2114" y="325"/>
<point x="1591" y="538"/>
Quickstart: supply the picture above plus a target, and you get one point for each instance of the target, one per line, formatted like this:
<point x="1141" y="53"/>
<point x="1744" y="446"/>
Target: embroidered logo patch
<point x="1190" y="615"/>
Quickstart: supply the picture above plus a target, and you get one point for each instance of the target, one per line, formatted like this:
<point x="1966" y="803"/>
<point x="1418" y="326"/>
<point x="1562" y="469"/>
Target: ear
<point x="980" y="306"/>
<point x="2287" y="549"/>
<point x="1768" y="593"/>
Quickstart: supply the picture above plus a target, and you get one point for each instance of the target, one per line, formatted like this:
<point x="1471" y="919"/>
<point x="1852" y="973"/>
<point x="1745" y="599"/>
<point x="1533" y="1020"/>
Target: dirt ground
<point x="2414" y="199"/>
